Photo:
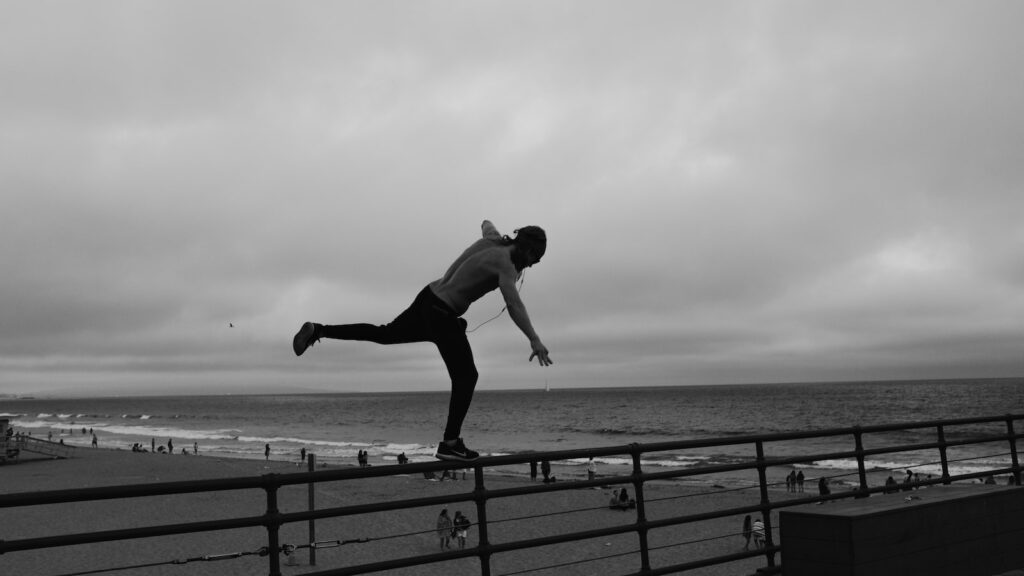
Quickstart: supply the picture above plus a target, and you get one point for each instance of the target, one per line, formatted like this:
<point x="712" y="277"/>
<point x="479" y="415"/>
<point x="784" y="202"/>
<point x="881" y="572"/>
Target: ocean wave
<point x="33" y="423"/>
<point x="917" y="467"/>
<point x="301" y="441"/>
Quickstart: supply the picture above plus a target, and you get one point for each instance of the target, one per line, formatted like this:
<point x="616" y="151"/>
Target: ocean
<point x="337" y="426"/>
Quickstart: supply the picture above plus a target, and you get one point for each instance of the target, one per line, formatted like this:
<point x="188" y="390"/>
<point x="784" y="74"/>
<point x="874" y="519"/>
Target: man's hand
<point x="541" y="352"/>
<point x="489" y="231"/>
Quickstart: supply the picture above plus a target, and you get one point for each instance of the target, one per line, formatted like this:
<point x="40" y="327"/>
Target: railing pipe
<point x="273" y="524"/>
<point x="1012" y="438"/>
<point x="941" y="433"/>
<point x="766" y="515"/>
<point x="311" y="490"/>
<point x="480" y="497"/>
<point x="273" y="519"/>
<point x="641" y="514"/>
<point x="861" y="469"/>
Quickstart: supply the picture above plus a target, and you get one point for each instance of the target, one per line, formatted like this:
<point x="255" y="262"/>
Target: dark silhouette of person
<point x="494" y="261"/>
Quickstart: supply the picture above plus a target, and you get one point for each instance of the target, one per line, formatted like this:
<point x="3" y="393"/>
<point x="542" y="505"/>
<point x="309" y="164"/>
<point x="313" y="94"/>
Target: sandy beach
<point x="391" y="535"/>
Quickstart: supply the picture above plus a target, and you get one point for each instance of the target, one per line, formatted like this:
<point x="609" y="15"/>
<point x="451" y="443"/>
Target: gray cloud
<point x="741" y="192"/>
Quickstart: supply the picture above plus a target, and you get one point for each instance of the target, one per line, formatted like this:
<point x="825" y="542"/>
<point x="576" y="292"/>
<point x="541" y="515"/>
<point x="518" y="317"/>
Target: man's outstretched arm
<point x="517" y="310"/>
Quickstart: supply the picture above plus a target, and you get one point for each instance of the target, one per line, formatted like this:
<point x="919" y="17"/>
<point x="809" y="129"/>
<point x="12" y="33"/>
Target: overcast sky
<point x="733" y="191"/>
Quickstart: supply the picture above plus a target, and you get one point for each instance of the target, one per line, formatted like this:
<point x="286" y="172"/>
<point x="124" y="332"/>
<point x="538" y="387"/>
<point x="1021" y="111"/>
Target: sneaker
<point x="457" y="453"/>
<point x="305" y="338"/>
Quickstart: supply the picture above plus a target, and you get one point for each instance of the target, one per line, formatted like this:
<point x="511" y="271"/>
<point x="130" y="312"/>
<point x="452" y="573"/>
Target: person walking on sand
<point x="435" y="315"/>
<point x="266" y="452"/>
<point x="444" y="529"/>
<point x="460" y="529"/>
<point x="591" y="469"/>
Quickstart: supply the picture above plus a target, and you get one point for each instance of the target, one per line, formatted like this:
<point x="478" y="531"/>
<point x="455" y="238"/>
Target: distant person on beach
<point x="622" y="501"/>
<point x="891" y="486"/>
<point x="800" y="481"/>
<point x="533" y="470"/>
<point x="170" y="446"/>
<point x="757" y="530"/>
<point x="195" y="448"/>
<point x="494" y="261"/>
<point x="591" y="469"/>
<point x="823" y="489"/>
<point x="444" y="529"/>
<point x="266" y="452"/>
<point x="545" y="470"/>
<point x="460" y="528"/>
<point x="302" y="454"/>
<point x="95" y="441"/>
<point x="152" y="444"/>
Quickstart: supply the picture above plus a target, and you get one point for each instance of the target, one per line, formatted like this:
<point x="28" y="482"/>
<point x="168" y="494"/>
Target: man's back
<point x="474" y="273"/>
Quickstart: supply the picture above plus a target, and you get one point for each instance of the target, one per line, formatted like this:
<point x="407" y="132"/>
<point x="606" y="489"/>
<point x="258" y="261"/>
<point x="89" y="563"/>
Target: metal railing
<point x="273" y="519"/>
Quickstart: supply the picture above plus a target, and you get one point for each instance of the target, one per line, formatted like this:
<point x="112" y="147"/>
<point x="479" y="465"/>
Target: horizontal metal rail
<point x="273" y="519"/>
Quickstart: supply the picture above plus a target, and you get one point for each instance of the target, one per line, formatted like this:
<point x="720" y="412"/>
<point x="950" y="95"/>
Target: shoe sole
<point x="300" y="342"/>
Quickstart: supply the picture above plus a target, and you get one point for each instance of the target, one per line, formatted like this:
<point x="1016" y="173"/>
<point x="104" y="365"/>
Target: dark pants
<point x="427" y="319"/>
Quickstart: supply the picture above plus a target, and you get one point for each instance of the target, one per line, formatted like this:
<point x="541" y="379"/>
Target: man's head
<point x="530" y="244"/>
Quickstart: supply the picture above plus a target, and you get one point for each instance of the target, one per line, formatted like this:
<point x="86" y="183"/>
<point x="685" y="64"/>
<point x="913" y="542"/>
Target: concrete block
<point x="958" y="530"/>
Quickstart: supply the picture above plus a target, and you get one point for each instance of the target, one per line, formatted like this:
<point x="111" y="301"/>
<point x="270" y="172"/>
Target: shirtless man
<point x="494" y="261"/>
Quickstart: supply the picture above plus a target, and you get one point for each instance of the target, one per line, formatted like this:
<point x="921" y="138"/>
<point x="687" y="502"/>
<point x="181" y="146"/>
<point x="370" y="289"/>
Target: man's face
<point x="532" y="257"/>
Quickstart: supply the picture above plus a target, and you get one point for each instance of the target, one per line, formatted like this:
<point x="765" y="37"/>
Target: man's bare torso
<point x="474" y="273"/>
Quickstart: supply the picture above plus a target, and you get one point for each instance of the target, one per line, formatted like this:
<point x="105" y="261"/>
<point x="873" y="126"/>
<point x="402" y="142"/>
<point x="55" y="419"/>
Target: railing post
<point x="480" y="497"/>
<point x="272" y="524"/>
<point x="942" y="455"/>
<point x="762" y="476"/>
<point x="311" y="488"/>
<point x="1013" y="449"/>
<point x="861" y="470"/>
<point x="641" y="513"/>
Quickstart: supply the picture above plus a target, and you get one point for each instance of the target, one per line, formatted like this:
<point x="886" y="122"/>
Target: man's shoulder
<point x="491" y="253"/>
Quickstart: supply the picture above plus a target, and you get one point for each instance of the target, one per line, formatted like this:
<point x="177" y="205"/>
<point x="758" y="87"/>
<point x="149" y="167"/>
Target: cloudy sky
<point x="733" y="191"/>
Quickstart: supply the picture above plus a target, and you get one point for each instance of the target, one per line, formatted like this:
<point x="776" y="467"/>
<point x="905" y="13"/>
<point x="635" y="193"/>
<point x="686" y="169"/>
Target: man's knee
<point x="467" y="377"/>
